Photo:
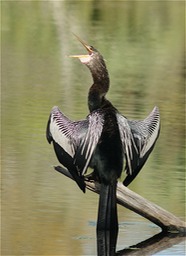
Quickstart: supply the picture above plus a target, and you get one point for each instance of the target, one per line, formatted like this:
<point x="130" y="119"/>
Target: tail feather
<point x="107" y="211"/>
<point x="107" y="225"/>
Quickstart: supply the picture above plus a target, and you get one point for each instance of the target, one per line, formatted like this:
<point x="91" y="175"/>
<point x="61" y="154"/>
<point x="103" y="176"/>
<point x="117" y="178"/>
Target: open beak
<point x="87" y="47"/>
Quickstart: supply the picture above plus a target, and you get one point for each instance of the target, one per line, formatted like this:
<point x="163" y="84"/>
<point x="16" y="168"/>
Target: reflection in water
<point x="107" y="239"/>
<point x="143" y="42"/>
<point x="106" y="242"/>
<point x="153" y="245"/>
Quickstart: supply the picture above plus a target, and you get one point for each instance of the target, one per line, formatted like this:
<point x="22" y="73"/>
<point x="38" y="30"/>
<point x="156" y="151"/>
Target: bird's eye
<point x="91" y="48"/>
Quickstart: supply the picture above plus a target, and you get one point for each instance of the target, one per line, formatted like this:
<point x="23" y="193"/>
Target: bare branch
<point x="131" y="200"/>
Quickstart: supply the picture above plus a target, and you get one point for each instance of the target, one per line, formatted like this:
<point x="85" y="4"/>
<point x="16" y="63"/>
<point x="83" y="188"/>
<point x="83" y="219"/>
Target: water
<point x="44" y="213"/>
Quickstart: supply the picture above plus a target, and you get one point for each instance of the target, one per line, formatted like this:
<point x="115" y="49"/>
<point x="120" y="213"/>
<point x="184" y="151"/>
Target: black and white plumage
<point x="75" y="140"/>
<point x="104" y="141"/>
<point x="143" y="135"/>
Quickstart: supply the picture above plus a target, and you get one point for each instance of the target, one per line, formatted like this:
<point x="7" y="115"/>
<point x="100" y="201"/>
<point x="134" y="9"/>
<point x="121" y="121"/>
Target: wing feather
<point x="74" y="141"/>
<point x="128" y="143"/>
<point x="66" y="136"/>
<point x="138" y="139"/>
<point x="90" y="141"/>
<point x="65" y="132"/>
<point x="147" y="131"/>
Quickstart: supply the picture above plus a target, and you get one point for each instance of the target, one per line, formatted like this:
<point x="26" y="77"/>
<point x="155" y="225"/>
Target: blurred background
<point x="43" y="212"/>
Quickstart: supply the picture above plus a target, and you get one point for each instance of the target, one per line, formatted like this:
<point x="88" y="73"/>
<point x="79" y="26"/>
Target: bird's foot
<point x="92" y="177"/>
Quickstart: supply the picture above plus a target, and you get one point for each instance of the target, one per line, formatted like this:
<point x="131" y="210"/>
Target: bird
<point x="106" y="141"/>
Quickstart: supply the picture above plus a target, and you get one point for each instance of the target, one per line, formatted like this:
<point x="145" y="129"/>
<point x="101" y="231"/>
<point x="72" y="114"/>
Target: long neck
<point x="100" y="86"/>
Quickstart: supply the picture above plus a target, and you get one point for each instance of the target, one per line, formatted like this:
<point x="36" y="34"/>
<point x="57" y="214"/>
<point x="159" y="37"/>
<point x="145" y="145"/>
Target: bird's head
<point x="91" y="58"/>
<point x="95" y="62"/>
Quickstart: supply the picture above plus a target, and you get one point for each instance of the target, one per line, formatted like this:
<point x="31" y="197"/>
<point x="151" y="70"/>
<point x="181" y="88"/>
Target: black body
<point x="104" y="141"/>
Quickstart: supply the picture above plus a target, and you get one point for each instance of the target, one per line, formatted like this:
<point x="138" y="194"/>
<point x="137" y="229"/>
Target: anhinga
<point x="103" y="141"/>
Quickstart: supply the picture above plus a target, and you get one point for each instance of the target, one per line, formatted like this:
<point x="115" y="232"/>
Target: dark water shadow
<point x="107" y="240"/>
<point x="154" y="244"/>
<point x="106" y="244"/>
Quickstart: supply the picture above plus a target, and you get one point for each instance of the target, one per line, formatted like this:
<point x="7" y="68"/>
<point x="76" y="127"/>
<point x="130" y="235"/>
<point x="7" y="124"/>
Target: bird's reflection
<point x="106" y="242"/>
<point x="154" y="244"/>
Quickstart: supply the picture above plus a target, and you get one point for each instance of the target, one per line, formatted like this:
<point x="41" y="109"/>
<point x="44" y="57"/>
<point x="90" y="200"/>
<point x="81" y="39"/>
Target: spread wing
<point x="74" y="141"/>
<point x="90" y="140"/>
<point x="138" y="139"/>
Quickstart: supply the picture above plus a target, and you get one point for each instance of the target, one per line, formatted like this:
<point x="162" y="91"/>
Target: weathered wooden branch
<point x="131" y="200"/>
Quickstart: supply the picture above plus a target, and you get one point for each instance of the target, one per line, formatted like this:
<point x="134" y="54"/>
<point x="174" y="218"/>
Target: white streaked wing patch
<point x="146" y="131"/>
<point x="152" y="122"/>
<point x="68" y="134"/>
<point x="96" y="121"/>
<point x="127" y="139"/>
<point x="61" y="137"/>
<point x="149" y="143"/>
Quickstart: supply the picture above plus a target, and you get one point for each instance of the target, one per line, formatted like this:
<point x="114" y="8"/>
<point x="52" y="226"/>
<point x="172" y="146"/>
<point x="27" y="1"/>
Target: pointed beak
<point x="87" y="47"/>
